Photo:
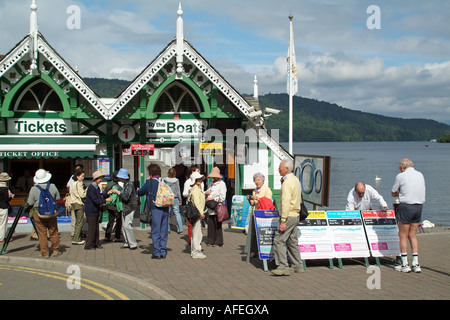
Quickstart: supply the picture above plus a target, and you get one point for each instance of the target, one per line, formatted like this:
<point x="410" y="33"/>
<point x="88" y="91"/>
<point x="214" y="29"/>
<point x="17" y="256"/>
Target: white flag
<point x="292" y="81"/>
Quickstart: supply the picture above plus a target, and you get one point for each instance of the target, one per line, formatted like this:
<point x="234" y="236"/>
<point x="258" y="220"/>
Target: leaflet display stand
<point x="251" y="246"/>
<point x="13" y="228"/>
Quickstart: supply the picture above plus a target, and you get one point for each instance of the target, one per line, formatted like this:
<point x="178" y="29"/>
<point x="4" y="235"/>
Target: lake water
<point x="363" y="161"/>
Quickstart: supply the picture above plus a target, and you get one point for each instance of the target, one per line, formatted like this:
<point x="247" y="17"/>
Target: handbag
<point x="222" y="212"/>
<point x="211" y="204"/>
<point x="192" y="213"/>
<point x="303" y="211"/>
<point x="146" y="215"/>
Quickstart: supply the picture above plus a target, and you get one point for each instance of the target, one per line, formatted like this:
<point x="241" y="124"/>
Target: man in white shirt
<point x="409" y="187"/>
<point x="361" y="197"/>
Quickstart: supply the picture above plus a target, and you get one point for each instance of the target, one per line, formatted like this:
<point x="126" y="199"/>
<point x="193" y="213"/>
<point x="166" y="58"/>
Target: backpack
<point x="164" y="196"/>
<point x="47" y="204"/>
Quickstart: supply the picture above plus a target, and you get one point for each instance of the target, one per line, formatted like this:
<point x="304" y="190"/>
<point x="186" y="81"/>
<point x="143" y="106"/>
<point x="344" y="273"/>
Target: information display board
<point x="382" y="233"/>
<point x="348" y="235"/>
<point x="315" y="237"/>
<point x="266" y="223"/>
<point x="142" y="149"/>
<point x="241" y="212"/>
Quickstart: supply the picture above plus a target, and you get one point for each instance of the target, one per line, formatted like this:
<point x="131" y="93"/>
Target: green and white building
<point x="51" y="119"/>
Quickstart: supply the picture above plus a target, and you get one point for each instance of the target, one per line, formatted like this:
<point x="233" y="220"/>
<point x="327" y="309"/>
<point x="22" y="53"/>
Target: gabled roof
<point x="51" y="55"/>
<point x="196" y="59"/>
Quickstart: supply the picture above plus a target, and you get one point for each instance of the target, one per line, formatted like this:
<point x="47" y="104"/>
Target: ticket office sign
<point x="382" y="233"/>
<point x="315" y="237"/>
<point x="348" y="235"/>
<point x="266" y="223"/>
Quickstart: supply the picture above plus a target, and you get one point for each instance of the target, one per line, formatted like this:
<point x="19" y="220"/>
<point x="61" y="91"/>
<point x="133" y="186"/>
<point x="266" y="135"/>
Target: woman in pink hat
<point x="217" y="191"/>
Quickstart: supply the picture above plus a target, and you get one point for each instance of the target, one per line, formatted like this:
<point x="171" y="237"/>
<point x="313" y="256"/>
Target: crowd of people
<point x="120" y="198"/>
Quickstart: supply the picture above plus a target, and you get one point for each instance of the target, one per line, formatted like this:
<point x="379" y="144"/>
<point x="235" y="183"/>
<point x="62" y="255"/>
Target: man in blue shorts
<point x="409" y="187"/>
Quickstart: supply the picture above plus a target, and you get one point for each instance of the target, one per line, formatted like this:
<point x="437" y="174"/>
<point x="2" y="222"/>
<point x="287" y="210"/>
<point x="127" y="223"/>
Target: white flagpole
<point x="291" y="112"/>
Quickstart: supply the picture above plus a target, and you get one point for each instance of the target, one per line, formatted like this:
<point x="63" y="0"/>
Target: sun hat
<point x="215" y="173"/>
<point x="42" y="176"/>
<point x="123" y="174"/>
<point x="4" y="177"/>
<point x="97" y="174"/>
<point x="196" y="175"/>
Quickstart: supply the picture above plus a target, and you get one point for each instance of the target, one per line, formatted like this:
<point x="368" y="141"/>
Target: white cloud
<point x="401" y="70"/>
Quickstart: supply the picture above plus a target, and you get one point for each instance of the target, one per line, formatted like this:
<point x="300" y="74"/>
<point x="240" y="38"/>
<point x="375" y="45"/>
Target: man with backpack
<point x="42" y="204"/>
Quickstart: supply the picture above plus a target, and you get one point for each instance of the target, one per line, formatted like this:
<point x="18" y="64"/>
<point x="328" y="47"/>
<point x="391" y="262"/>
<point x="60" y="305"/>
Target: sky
<point x="392" y="59"/>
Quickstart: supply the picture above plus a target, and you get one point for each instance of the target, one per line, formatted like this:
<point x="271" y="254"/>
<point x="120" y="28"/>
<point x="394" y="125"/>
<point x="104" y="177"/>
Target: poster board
<point x="348" y="235"/>
<point x="314" y="237"/>
<point x="241" y="211"/>
<point x="314" y="175"/>
<point x="382" y="233"/>
<point x="266" y="223"/>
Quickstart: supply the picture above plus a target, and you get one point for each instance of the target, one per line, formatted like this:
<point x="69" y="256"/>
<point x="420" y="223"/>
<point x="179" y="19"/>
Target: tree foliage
<point x="322" y="121"/>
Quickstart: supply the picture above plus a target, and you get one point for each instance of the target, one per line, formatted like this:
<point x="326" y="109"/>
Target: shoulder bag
<point x="192" y="213"/>
<point x="303" y="212"/>
<point x="146" y="214"/>
<point x="222" y="212"/>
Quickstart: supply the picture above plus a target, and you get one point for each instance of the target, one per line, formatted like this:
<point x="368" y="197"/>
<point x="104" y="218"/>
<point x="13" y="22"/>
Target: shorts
<point x="409" y="213"/>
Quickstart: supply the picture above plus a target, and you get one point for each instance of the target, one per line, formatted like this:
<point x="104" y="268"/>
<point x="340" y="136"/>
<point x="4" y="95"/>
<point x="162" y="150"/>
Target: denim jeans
<point x="175" y="210"/>
<point x="160" y="221"/>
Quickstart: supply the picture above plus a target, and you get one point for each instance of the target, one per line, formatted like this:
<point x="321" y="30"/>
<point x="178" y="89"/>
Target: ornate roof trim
<point x="49" y="53"/>
<point x="71" y="75"/>
<point x="141" y="80"/>
<point x="12" y="57"/>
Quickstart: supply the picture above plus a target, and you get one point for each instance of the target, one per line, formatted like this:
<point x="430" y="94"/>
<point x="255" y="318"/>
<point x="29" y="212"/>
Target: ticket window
<point x="22" y="172"/>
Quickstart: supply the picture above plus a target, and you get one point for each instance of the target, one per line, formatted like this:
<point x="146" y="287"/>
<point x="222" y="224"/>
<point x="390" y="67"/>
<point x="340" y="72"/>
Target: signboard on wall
<point x="314" y="175"/>
<point x="211" y="148"/>
<point x="142" y="149"/>
<point x="39" y="126"/>
<point x="178" y="130"/>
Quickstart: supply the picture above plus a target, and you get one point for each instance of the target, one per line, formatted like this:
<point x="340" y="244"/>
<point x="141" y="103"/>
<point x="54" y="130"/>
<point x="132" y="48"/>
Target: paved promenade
<point x="225" y="274"/>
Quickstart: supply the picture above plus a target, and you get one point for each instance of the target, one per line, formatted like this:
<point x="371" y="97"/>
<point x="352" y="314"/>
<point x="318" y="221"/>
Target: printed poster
<point x="382" y="233"/>
<point x="241" y="212"/>
<point x="315" y="237"/>
<point x="348" y="235"/>
<point x="266" y="223"/>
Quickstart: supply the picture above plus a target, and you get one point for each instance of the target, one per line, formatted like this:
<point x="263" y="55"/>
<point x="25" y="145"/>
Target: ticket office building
<point x="51" y="119"/>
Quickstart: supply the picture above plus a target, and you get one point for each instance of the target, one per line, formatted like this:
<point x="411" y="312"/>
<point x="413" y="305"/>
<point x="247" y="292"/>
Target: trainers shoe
<point x="56" y="253"/>
<point x="298" y="269"/>
<point x="416" y="268"/>
<point x="199" y="256"/>
<point x="403" y="268"/>
<point x="281" y="272"/>
<point x="79" y="242"/>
